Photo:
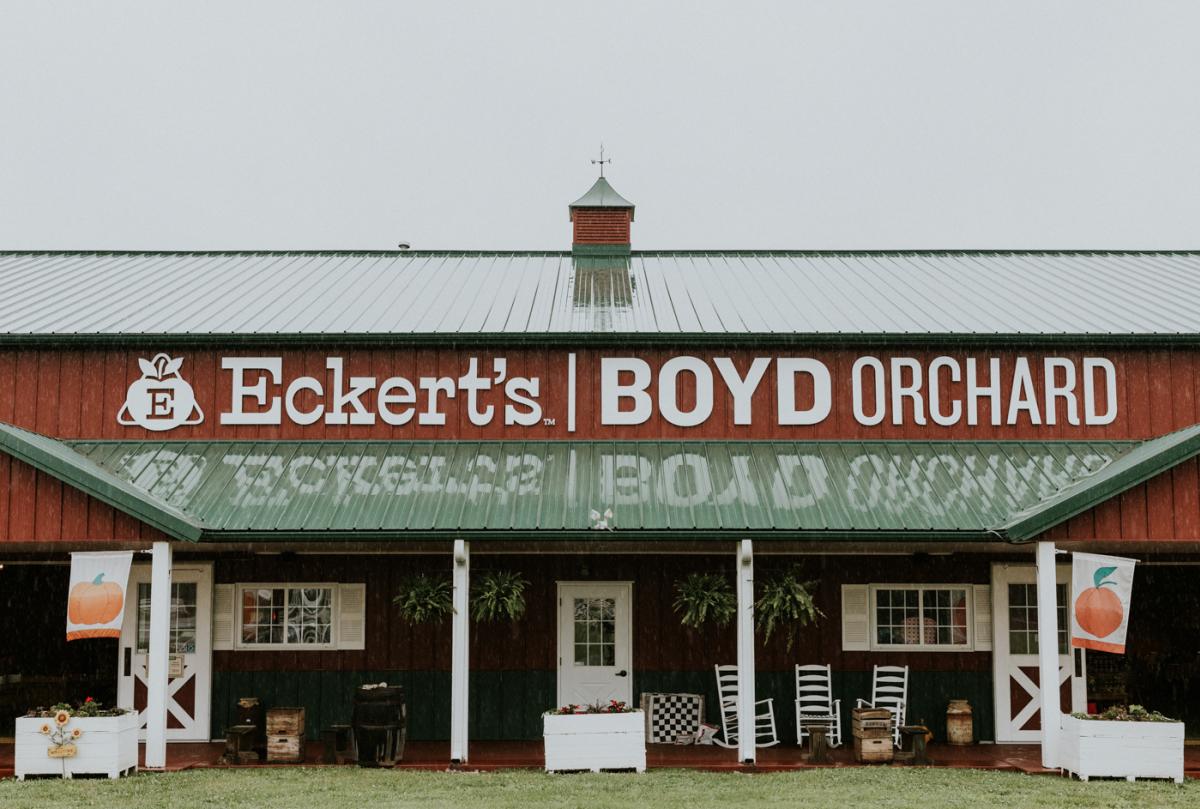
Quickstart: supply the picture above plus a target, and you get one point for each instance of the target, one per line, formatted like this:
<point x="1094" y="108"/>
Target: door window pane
<point x="595" y="631"/>
<point x="1022" y="618"/>
<point x="183" y="618"/>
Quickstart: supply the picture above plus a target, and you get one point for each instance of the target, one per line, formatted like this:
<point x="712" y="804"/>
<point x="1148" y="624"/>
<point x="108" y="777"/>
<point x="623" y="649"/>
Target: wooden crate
<point x="873" y="750"/>
<point x="871" y="723"/>
<point x="285" y="722"/>
<point x="285" y="749"/>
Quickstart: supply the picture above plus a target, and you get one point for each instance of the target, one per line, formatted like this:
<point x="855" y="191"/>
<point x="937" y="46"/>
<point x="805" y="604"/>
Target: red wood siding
<point x="600" y="226"/>
<point x="78" y="393"/>
<point x="35" y="507"/>
<point x="1163" y="509"/>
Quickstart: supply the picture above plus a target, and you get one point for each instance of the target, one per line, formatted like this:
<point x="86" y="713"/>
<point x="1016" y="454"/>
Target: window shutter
<point x="223" y="616"/>
<point x="856" y="618"/>
<point x="983" y="618"/>
<point x="352" y="608"/>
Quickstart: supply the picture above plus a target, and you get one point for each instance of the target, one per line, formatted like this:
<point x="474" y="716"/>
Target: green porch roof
<point x="59" y="460"/>
<point x="824" y="490"/>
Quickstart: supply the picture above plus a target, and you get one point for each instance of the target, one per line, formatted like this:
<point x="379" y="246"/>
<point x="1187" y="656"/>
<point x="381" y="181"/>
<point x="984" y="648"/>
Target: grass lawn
<point x="335" y="788"/>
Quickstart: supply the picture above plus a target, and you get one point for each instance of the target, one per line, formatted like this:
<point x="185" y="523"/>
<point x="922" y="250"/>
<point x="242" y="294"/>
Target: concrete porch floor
<point x="528" y="755"/>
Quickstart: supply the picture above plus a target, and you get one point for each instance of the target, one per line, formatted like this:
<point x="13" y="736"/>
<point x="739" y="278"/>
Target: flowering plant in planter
<point x="89" y="707"/>
<point x="1119" y="713"/>
<point x="612" y="706"/>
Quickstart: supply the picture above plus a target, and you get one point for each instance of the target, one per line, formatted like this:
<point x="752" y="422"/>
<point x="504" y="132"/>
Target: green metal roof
<point x="60" y="461"/>
<point x="1139" y="464"/>
<point x="601" y="195"/>
<point x="866" y="489"/>
<point x="510" y="299"/>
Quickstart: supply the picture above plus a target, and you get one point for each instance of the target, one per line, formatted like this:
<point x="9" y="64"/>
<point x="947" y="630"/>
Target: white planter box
<point x="599" y="741"/>
<point x="1096" y="748"/>
<point x="108" y="746"/>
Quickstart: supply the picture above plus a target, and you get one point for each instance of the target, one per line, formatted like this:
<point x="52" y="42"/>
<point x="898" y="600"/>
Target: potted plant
<point x="423" y="598"/>
<point x="497" y="595"/>
<point x="701" y="598"/>
<point x="1122" y="743"/>
<point x="604" y="736"/>
<point x="71" y="740"/>
<point x="785" y="600"/>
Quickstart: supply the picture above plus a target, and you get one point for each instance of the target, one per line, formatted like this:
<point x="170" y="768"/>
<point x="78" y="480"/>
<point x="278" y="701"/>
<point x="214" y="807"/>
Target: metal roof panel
<point x="716" y="293"/>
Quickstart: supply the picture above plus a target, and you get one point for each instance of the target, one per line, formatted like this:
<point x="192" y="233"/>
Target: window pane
<point x="263" y="615"/>
<point x="309" y="614"/>
<point x="143" y="617"/>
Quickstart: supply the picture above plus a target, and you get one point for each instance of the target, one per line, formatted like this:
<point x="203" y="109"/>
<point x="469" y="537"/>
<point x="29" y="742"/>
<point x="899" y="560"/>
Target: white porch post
<point x="745" y="653"/>
<point x="460" y="649"/>
<point x="1047" y="618"/>
<point x="160" y="638"/>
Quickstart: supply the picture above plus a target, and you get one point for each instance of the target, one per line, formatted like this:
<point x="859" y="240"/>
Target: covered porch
<point x="734" y="505"/>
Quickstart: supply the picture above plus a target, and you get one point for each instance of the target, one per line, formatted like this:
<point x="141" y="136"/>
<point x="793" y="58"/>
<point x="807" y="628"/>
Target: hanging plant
<point x="498" y="594"/>
<point x="785" y="601"/>
<point x="703" y="597"/>
<point x="423" y="599"/>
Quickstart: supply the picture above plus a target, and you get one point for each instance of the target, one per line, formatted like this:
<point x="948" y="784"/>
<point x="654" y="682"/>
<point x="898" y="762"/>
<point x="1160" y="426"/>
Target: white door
<point x="1015" y="653"/>
<point x="595" y="642"/>
<point x="190" y="664"/>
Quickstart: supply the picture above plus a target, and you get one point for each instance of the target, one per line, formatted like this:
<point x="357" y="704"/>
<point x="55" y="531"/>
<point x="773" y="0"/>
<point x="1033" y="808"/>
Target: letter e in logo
<point x="161" y="399"/>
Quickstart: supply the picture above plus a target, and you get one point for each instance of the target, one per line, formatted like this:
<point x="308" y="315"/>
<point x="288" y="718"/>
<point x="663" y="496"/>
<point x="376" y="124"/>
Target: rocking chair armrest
<point x="769" y="701"/>
<point x="837" y="706"/>
<point x="864" y="703"/>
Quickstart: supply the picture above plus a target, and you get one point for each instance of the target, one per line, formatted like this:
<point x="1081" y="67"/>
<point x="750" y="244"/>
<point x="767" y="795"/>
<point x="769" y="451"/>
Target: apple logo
<point x="161" y="399"/>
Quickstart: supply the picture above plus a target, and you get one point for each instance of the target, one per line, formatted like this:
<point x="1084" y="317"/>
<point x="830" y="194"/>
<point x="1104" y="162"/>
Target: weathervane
<point x="601" y="161"/>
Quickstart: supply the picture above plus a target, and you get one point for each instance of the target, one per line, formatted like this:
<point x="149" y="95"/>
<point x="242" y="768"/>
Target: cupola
<point x="601" y="220"/>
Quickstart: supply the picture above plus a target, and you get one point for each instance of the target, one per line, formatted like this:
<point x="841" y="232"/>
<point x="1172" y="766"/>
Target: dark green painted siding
<point x="509" y="704"/>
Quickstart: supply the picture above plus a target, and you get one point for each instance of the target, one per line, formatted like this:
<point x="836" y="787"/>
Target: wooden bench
<point x="338" y="744"/>
<point x="239" y="745"/>
<point x="912" y="745"/>
<point x="818" y="745"/>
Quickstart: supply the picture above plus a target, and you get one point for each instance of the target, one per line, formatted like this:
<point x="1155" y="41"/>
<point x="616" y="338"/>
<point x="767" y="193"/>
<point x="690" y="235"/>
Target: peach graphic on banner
<point x="1098" y="611"/>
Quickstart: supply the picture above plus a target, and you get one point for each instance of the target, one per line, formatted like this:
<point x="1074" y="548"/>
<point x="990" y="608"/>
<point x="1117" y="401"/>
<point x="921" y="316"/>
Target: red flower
<point x="89" y="699"/>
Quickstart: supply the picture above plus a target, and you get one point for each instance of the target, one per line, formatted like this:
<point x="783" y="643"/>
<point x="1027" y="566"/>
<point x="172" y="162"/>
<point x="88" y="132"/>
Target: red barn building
<point x="297" y="433"/>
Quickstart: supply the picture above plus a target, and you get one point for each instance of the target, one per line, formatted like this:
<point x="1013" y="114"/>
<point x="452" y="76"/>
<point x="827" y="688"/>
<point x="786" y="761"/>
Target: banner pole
<point x="1048" y="670"/>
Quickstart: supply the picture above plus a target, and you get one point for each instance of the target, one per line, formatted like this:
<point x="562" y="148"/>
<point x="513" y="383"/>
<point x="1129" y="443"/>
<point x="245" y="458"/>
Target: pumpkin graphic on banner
<point x="95" y="602"/>
<point x="1101" y="590"/>
<point x="96" y="594"/>
<point x="161" y="399"/>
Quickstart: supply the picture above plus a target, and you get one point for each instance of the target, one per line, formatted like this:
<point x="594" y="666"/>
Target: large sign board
<point x="623" y="390"/>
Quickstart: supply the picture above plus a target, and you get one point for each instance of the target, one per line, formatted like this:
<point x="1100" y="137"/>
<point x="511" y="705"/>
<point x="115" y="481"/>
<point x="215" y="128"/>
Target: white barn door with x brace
<point x="189" y="668"/>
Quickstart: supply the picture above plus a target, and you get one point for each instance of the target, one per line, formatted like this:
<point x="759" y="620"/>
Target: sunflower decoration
<point x="45" y="729"/>
<point x="62" y="717"/>
<point x="76" y="733"/>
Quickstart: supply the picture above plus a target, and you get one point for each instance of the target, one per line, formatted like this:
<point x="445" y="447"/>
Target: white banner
<point x="96" y="600"/>
<point x="1101" y="589"/>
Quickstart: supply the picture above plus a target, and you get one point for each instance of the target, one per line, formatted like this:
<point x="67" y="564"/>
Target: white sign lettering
<point x="683" y="391"/>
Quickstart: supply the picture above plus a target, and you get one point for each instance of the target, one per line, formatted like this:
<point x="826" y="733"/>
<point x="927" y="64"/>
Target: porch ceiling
<point x="836" y="491"/>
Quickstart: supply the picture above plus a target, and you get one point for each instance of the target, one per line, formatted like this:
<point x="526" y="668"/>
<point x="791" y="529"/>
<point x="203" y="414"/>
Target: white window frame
<point x="874" y="589"/>
<point x="335" y="612"/>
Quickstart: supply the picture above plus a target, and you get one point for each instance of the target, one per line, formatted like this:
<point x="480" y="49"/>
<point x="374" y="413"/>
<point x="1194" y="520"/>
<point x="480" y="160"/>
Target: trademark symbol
<point x="548" y="422"/>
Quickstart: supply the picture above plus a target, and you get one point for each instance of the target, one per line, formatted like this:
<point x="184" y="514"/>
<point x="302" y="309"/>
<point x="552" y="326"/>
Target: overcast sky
<point x="917" y="124"/>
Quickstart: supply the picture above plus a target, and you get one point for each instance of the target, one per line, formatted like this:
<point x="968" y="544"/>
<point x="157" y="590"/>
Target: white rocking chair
<point x="764" y="720"/>
<point x="889" y="689"/>
<point x="815" y="705"/>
